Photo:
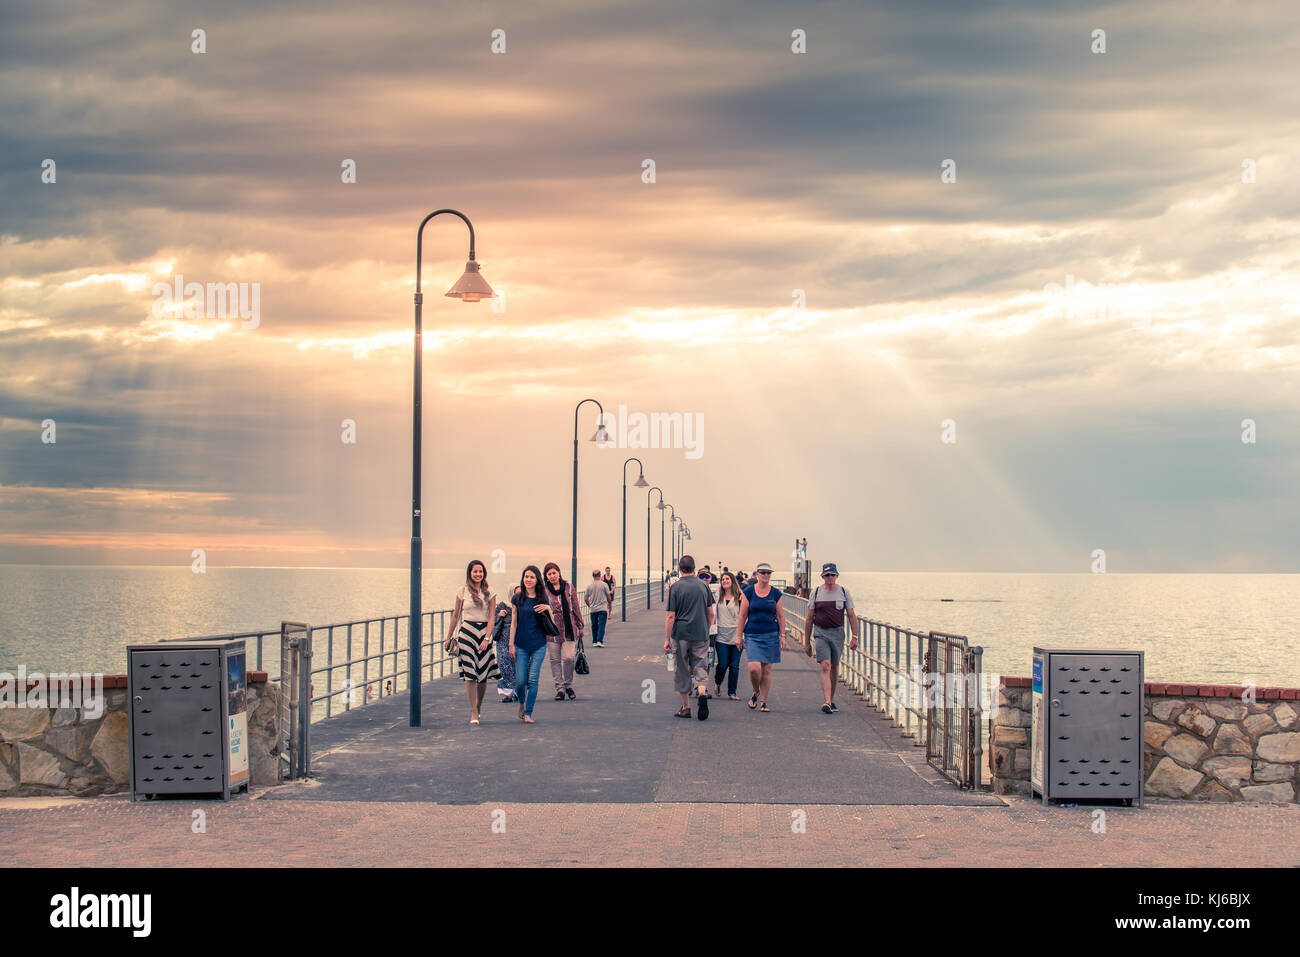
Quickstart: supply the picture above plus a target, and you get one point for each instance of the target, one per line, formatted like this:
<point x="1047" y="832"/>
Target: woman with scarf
<point x="563" y="647"/>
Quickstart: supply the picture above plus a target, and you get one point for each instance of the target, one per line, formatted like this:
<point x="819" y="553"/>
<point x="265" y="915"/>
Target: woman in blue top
<point x="758" y="632"/>
<point x="527" y="640"/>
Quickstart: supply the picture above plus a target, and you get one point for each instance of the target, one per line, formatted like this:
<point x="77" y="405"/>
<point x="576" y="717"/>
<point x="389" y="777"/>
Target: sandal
<point x="733" y="697"/>
<point x="559" y="696"/>
<point x="764" y="707"/>
<point x="473" y="720"/>
<point x="570" y="693"/>
<point x="528" y="719"/>
<point x="683" y="713"/>
<point x="753" y="701"/>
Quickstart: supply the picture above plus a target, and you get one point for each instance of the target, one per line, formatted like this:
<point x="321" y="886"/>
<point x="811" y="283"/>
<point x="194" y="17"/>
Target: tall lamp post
<point x="471" y="287"/>
<point x="647" y="543"/>
<point x="672" y="539"/>
<point x="640" y="483"/>
<point x="600" y="436"/>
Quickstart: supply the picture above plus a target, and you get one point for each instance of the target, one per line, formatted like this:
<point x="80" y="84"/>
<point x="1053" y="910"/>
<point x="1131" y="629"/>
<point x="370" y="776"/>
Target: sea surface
<point x="1223" y="629"/>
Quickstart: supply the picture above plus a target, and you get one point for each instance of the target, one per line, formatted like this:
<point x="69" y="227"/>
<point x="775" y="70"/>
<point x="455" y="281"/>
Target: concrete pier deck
<point x="611" y="780"/>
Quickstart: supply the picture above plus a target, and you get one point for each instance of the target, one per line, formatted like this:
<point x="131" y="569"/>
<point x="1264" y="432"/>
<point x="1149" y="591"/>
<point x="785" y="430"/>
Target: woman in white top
<point x="471" y="633"/>
<point x="728" y="652"/>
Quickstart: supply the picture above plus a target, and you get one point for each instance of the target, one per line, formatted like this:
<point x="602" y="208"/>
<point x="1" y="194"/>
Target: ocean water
<point x="1223" y="629"/>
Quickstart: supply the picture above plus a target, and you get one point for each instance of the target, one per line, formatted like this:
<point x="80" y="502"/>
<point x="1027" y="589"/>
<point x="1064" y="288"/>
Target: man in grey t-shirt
<point x="686" y="635"/>
<point x="597" y="598"/>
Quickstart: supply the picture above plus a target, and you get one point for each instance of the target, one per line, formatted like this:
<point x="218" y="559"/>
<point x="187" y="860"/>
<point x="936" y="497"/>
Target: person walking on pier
<point x="563" y="647"/>
<point x="728" y="653"/>
<point x="689" y="614"/>
<point x="505" y="661"/>
<point x="527" y="640"/>
<point x="824" y="623"/>
<point x="609" y="583"/>
<point x="597" y="598"/>
<point x="469" y="631"/>
<point x="759" y="627"/>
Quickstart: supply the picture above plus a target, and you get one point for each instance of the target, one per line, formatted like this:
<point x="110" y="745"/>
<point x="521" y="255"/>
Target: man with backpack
<point x="824" y="623"/>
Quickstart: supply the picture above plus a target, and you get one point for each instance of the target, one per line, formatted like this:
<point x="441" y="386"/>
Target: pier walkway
<point x="608" y="780"/>
<point x="610" y="745"/>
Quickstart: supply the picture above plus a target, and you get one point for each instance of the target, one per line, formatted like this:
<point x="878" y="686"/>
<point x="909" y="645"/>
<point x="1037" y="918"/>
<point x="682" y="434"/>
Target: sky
<point x="947" y="291"/>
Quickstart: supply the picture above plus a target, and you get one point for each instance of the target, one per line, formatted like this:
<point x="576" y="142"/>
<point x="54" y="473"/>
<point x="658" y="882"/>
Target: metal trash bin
<point x="1086" y="739"/>
<point x="188" y="718"/>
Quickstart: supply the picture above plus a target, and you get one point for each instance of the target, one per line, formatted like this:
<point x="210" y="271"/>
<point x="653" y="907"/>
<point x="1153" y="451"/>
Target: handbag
<point x="545" y="622"/>
<point x="580" y="666"/>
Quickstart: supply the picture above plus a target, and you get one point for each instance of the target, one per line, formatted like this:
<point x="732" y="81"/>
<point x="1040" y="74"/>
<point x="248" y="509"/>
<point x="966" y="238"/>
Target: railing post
<point x="329" y="675"/>
<point x="365" y="663"/>
<point x="907" y="705"/>
<point x="347" y="682"/>
<point x="893" y="678"/>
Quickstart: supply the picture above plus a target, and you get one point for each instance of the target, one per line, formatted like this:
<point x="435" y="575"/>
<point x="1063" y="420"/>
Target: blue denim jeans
<point x="528" y="672"/>
<point x="598" y="619"/>
<point x="729" y="665"/>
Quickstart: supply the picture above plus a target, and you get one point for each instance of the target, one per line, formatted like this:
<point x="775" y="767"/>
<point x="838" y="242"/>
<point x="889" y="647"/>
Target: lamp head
<point x="641" y="482"/>
<point x="471" y="287"/>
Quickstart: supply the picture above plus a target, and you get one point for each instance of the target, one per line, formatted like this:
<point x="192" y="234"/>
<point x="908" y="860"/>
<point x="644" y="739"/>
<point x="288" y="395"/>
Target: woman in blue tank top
<point x="758" y="632"/>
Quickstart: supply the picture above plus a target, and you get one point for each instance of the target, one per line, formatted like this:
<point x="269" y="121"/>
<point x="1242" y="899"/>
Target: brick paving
<point x="249" y="831"/>
<point x="610" y="780"/>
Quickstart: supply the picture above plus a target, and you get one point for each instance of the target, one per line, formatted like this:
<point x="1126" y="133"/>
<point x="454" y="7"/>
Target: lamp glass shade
<point x="641" y="482"/>
<point x="662" y="507"/>
<point x="471" y="287"/>
<point x="602" y="434"/>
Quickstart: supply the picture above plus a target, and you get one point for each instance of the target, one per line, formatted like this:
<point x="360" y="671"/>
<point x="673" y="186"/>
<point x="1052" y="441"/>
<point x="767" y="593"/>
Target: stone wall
<point x="66" y="751"/>
<point x="1202" y="742"/>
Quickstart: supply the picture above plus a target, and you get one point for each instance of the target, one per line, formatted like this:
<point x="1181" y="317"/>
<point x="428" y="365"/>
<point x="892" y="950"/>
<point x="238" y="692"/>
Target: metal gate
<point x="294" y="719"/>
<point x="954" y="729"/>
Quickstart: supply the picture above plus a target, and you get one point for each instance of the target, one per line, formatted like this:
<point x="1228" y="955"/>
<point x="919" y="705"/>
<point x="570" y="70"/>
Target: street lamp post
<point x="663" y="580"/>
<point x="600" y="436"/>
<point x="471" y="287"/>
<point x="640" y="483"/>
<point x="647" y="543"/>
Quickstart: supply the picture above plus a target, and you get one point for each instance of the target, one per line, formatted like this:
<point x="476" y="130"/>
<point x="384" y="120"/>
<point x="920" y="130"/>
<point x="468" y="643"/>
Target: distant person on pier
<point x="563" y="648"/>
<point x="824" y="623"/>
<point x="705" y="576"/>
<point x="527" y="639"/>
<point x="728" y="651"/>
<point x="505" y="661"/>
<point x="686" y="635"/>
<point x="759" y="627"/>
<point x="610" y="584"/>
<point x="597" y="599"/>
<point x="470" y="632"/>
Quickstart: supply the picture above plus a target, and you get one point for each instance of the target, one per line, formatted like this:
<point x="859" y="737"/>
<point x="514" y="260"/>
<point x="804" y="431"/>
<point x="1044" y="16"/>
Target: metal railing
<point x="928" y="683"/>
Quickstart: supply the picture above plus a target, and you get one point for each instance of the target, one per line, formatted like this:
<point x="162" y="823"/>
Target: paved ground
<point x="610" y="781"/>
<point x="288" y="833"/>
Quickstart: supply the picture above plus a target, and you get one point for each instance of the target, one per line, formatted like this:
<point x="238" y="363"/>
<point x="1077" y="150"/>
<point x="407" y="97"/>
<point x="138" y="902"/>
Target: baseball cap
<point x="829" y="569"/>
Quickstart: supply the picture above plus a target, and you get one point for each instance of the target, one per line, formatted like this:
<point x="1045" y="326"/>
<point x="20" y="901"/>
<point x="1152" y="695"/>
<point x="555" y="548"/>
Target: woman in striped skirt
<point x="471" y="634"/>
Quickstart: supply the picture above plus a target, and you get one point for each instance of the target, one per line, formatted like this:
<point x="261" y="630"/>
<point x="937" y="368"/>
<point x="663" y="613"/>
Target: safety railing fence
<point x="928" y="683"/>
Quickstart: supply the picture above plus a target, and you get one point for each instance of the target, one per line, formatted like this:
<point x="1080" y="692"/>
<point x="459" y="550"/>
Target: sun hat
<point x="762" y="567"/>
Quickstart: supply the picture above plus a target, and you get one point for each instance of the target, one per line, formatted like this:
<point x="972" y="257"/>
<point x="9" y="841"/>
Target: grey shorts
<point x="828" y="644"/>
